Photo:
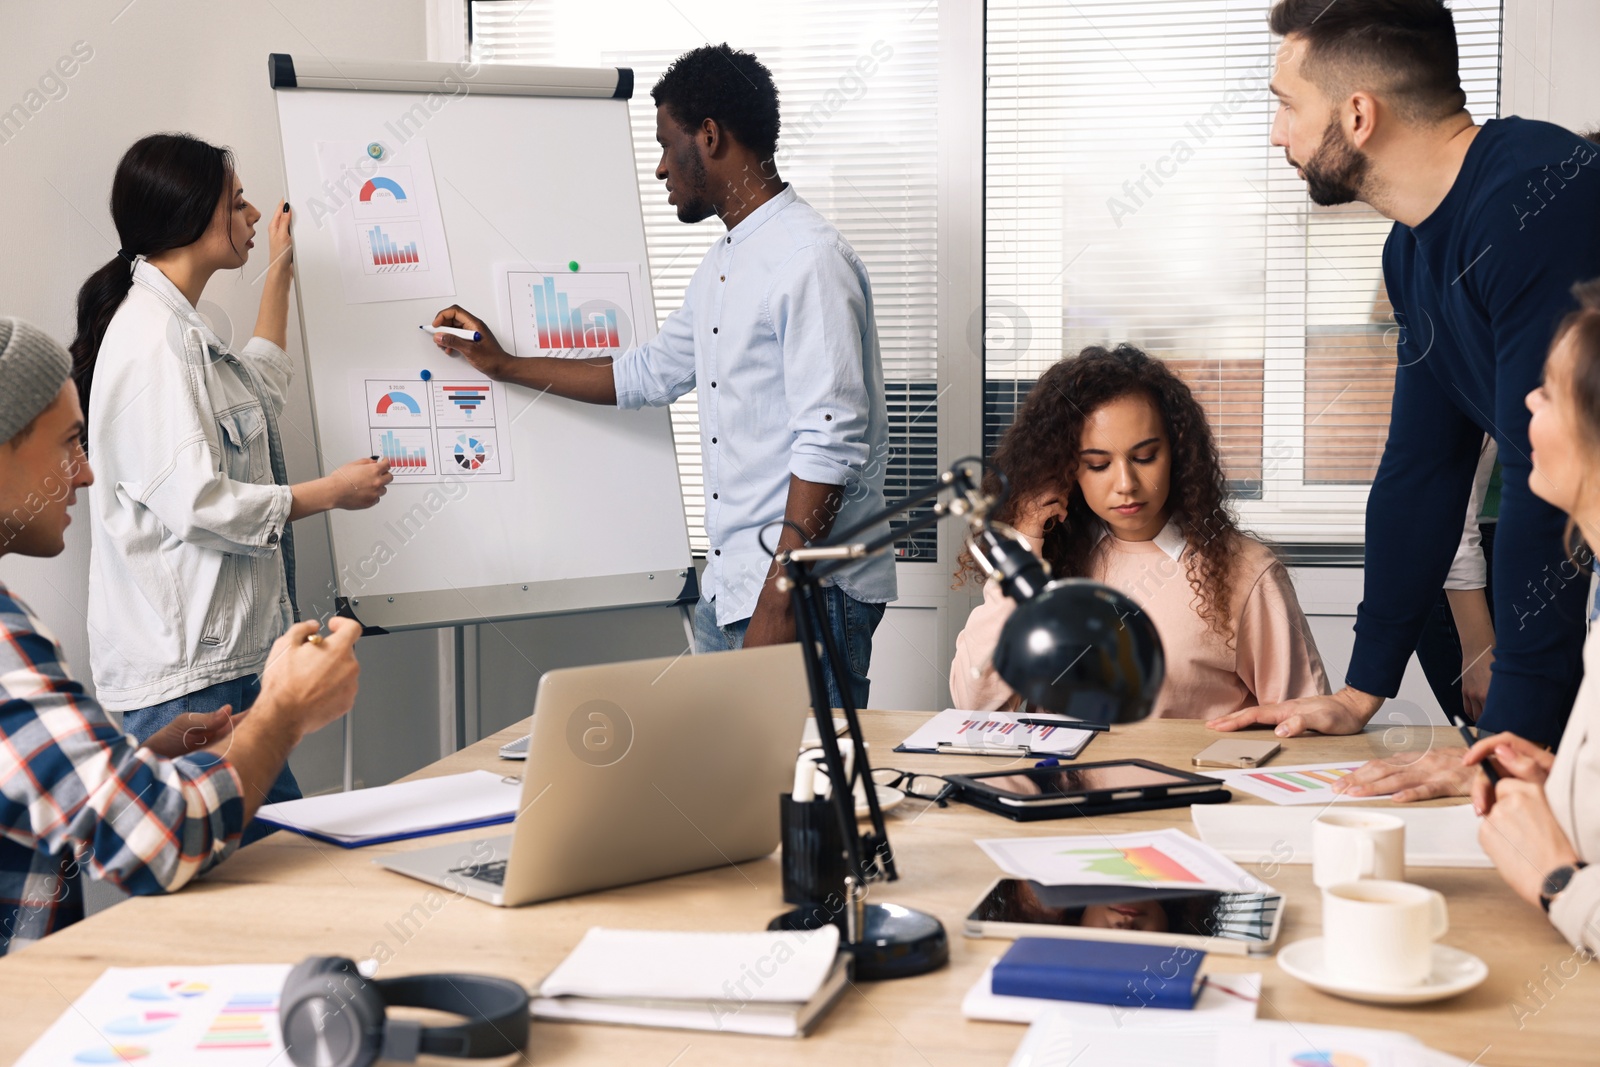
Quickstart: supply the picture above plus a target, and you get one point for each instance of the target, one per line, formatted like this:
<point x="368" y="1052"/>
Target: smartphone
<point x="1235" y="923"/>
<point x="1236" y="752"/>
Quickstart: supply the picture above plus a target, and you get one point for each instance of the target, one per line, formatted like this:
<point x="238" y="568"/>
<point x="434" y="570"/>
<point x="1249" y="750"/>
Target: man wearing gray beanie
<point x="80" y="787"/>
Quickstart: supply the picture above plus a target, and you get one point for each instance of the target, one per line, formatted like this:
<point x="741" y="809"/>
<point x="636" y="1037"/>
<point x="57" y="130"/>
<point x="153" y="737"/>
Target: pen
<point x="451" y="331"/>
<point x="1067" y="724"/>
<point x="981" y="750"/>
<point x="1488" y="768"/>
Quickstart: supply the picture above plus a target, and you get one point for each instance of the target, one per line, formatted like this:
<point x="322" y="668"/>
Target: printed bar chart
<point x="407" y="453"/>
<point x="385" y="253"/>
<point x="561" y="326"/>
<point x="574" y="314"/>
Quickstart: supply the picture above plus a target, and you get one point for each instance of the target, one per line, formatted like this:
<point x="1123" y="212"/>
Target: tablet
<point x="1235" y="923"/>
<point x="1111" y="785"/>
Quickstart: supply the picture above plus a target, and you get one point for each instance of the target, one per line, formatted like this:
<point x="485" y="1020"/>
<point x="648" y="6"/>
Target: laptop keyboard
<point x="493" y="872"/>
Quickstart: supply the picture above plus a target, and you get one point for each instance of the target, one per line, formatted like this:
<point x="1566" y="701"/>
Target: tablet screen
<point x="1201" y="913"/>
<point x="1073" y="781"/>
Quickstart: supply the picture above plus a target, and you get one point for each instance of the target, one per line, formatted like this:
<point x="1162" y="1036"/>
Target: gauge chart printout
<point x="385" y="218"/>
<point x="438" y="430"/>
<point x="221" y="1016"/>
<point x="554" y="310"/>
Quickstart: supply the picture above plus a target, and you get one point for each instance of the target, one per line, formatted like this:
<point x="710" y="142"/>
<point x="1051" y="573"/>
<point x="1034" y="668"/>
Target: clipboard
<point x="954" y="732"/>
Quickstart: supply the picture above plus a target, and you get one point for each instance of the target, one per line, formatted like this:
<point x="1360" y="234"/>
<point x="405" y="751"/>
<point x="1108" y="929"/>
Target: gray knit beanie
<point x="33" y="368"/>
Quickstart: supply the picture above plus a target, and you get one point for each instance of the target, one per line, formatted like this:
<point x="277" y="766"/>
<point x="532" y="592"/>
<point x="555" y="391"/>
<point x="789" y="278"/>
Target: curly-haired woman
<point x="1114" y="476"/>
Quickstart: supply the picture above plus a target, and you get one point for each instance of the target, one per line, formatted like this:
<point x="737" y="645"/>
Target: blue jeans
<point x="241" y="693"/>
<point x="851" y="622"/>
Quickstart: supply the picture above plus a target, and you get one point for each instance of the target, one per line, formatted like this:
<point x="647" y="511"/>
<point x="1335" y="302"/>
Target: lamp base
<point x="896" y="942"/>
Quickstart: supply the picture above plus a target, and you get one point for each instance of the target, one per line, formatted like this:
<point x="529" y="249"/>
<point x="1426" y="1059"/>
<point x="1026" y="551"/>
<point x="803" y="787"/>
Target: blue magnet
<point x="375" y="150"/>
<point x="427" y="375"/>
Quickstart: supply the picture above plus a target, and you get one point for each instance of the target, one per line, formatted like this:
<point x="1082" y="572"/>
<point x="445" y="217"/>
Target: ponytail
<point x="163" y="197"/>
<point x="98" y="300"/>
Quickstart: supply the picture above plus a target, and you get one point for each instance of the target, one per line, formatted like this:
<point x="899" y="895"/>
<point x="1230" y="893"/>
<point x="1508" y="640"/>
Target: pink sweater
<point x="1273" y="657"/>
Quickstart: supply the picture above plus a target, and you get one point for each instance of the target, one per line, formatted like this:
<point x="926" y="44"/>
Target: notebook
<point x="1100" y="972"/>
<point x="771" y="983"/>
<point x="397" y="812"/>
<point x="1223" y="997"/>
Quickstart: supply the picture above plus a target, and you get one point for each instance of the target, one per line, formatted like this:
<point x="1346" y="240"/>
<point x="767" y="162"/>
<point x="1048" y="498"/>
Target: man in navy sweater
<point x="1494" y="224"/>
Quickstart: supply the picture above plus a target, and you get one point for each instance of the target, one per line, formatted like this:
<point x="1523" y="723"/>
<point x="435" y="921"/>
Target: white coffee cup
<point x="1347" y="845"/>
<point x="1381" y="933"/>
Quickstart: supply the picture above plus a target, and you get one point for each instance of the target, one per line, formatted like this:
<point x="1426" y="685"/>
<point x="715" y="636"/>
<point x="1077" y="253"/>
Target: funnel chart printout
<point x="385" y="219"/>
<point x="434" y="430"/>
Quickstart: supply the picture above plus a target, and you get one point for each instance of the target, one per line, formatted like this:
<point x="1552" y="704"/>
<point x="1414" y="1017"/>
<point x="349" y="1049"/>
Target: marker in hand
<point x="452" y="331"/>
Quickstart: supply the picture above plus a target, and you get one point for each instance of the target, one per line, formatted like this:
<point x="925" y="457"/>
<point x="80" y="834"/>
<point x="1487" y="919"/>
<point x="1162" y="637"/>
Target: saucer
<point x="1454" y="972"/>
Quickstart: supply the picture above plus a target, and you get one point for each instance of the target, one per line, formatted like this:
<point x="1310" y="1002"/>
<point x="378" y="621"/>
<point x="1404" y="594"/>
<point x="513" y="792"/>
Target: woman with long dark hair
<point x="1113" y="475"/>
<point x="191" y="571"/>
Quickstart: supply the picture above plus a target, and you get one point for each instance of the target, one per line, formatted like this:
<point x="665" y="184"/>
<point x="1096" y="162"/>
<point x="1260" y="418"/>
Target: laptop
<point x="636" y="771"/>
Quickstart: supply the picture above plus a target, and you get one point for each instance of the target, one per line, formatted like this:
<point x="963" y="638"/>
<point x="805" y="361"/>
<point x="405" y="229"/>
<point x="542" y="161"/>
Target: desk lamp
<point x="1072" y="646"/>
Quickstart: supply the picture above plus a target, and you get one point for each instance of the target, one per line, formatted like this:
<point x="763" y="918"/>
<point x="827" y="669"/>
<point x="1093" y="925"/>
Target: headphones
<point x="333" y="1017"/>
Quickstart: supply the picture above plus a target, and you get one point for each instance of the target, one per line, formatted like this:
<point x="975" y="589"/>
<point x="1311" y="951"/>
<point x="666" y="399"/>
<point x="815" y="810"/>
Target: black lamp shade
<point x="1082" y="649"/>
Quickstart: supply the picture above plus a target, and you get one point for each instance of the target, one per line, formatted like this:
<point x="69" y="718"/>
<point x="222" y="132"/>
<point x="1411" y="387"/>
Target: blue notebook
<point x="1100" y="972"/>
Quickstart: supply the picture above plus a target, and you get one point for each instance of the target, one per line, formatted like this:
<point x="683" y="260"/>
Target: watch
<point x="1556" y="881"/>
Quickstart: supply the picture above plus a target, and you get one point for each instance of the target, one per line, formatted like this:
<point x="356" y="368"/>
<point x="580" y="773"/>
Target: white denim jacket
<point x="186" y="581"/>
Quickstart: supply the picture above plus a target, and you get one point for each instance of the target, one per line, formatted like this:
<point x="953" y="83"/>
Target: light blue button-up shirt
<point x="777" y="331"/>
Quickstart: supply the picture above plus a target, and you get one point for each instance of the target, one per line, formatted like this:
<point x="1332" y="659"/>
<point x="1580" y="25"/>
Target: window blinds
<point x="1132" y="195"/>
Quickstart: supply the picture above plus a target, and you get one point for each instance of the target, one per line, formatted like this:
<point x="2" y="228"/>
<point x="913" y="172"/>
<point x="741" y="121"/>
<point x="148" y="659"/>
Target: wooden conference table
<point x="289" y="897"/>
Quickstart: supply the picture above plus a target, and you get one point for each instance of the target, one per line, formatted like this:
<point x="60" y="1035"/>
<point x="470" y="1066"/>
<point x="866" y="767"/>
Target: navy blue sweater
<point x="1478" y="290"/>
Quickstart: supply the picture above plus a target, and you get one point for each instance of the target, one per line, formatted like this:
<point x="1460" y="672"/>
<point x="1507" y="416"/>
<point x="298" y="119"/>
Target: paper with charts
<point x="1167" y="858"/>
<point x="1310" y="783"/>
<point x="435" y="431"/>
<point x="554" y="310"/>
<point x="385" y="218"/>
<point x="226" y="1016"/>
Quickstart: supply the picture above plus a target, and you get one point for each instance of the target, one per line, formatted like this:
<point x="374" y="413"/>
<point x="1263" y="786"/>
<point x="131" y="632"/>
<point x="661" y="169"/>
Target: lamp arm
<point x="802" y="589"/>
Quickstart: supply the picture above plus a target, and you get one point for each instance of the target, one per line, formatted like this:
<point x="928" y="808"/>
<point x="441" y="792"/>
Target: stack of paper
<point x="170" y="1017"/>
<point x="772" y="983"/>
<point x="995" y="733"/>
<point x="1057" y="1038"/>
<point x="1253" y="834"/>
<point x="395" y="812"/>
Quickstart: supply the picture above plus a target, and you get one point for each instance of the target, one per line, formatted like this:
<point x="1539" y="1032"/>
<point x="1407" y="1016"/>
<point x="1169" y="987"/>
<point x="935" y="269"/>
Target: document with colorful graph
<point x="996" y="732"/>
<point x="226" y="1016"/>
<point x="436" y="430"/>
<point x="1165" y="858"/>
<point x="382" y="207"/>
<point x="574" y="310"/>
<point x="1310" y="783"/>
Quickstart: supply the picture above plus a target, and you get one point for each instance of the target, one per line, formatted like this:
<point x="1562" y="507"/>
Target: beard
<point x="1336" y="171"/>
<point x="694" y="205"/>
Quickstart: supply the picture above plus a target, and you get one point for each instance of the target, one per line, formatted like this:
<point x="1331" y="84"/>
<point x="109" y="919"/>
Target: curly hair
<point x="732" y="88"/>
<point x="1040" y="452"/>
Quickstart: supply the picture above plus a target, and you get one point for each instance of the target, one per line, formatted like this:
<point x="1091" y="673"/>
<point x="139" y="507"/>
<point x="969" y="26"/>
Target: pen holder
<point x="813" y="852"/>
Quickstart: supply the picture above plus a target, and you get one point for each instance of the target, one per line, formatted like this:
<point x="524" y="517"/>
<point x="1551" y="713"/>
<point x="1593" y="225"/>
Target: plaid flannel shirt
<point x="77" y="793"/>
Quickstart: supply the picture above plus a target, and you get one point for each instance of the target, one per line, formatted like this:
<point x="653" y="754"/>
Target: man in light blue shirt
<point x="777" y="333"/>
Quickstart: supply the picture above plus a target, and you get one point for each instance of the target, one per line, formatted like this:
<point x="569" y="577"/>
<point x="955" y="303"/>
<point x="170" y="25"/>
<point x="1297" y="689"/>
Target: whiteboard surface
<point x="594" y="514"/>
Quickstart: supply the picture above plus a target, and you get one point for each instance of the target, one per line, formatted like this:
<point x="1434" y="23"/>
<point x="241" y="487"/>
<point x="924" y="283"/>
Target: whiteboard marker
<point x="451" y="331"/>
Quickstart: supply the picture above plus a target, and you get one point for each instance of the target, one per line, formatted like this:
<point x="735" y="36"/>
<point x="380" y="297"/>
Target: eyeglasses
<point x="923" y="786"/>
